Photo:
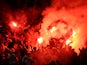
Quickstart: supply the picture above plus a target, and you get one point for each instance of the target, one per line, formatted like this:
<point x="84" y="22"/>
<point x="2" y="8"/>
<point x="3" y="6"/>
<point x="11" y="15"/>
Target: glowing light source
<point x="53" y="29"/>
<point x="73" y="34"/>
<point x="14" y="24"/>
<point x="40" y="40"/>
<point x="68" y="42"/>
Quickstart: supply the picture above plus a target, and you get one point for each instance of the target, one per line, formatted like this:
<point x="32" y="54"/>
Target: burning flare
<point x="14" y="24"/>
<point x="40" y="40"/>
<point x="68" y="41"/>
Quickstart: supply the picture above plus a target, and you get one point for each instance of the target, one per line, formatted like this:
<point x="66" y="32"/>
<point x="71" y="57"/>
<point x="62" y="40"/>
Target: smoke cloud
<point x="74" y="17"/>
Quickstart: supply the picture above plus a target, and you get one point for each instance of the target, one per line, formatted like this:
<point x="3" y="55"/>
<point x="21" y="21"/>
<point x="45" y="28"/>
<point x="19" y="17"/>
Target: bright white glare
<point x="68" y="42"/>
<point x="73" y="33"/>
<point x="14" y="24"/>
<point x="40" y="40"/>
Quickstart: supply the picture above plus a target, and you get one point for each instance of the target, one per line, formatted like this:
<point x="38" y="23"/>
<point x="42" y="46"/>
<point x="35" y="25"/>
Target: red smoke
<point x="60" y="28"/>
<point x="73" y="19"/>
